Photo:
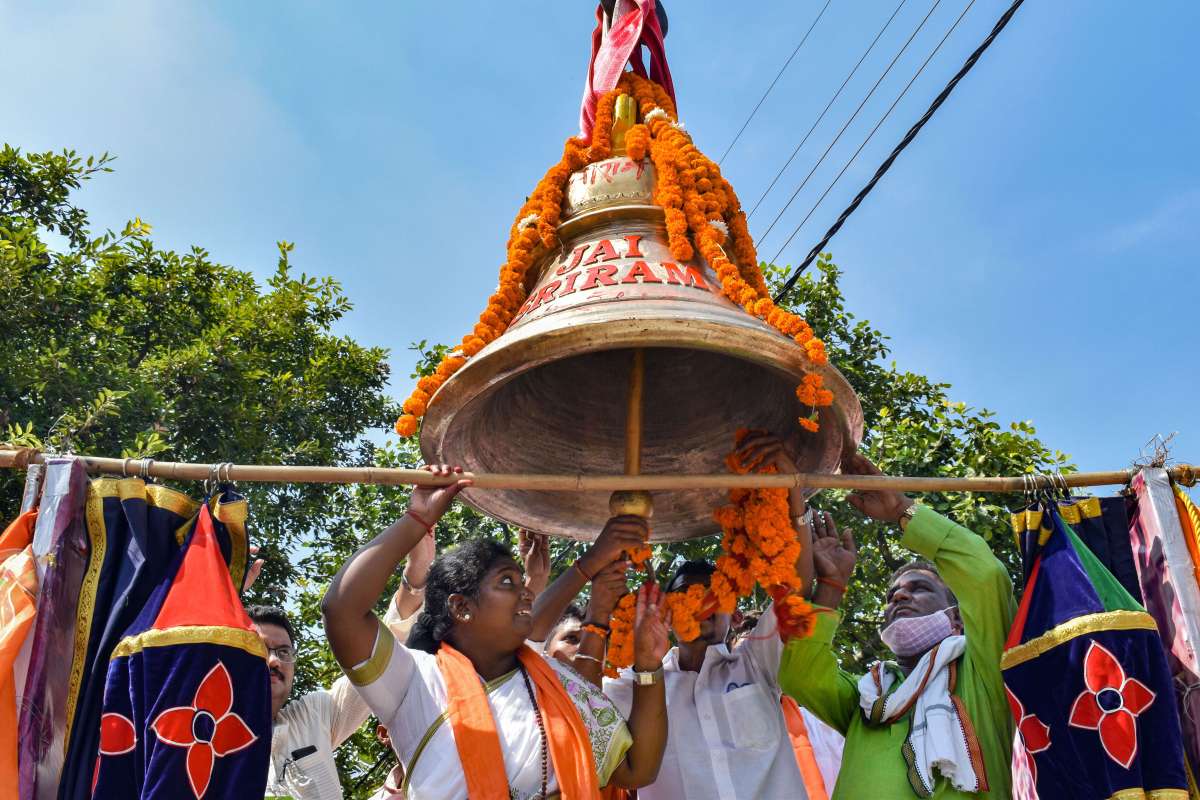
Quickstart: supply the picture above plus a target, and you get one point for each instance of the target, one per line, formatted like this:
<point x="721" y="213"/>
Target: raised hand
<point x="429" y="503"/>
<point x="762" y="448"/>
<point x="885" y="505"/>
<point x="650" y="639"/>
<point x="834" y="556"/>
<point x="608" y="586"/>
<point x="534" y="549"/>
<point x="254" y="570"/>
<point x="620" y="534"/>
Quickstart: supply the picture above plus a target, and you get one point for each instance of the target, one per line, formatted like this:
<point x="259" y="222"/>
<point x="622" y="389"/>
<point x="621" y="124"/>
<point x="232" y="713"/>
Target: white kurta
<point x="726" y="736"/>
<point x="319" y="721"/>
<point x="405" y="689"/>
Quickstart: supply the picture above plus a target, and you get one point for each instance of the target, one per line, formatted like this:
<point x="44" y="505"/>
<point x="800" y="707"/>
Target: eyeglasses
<point x="285" y="653"/>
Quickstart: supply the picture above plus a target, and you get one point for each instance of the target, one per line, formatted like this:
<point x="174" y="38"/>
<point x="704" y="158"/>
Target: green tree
<point x="111" y="345"/>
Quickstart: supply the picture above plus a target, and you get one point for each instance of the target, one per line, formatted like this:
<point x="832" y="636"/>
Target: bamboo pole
<point x="271" y="473"/>
<point x="633" y="413"/>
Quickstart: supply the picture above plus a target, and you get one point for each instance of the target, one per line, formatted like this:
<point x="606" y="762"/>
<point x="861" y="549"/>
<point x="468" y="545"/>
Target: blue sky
<point x="1035" y="247"/>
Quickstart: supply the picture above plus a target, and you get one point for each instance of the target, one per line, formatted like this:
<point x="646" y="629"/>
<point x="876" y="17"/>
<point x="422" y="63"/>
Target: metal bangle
<point x="589" y="658"/>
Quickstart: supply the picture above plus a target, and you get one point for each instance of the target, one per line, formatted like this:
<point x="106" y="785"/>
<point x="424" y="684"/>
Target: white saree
<point x="405" y="690"/>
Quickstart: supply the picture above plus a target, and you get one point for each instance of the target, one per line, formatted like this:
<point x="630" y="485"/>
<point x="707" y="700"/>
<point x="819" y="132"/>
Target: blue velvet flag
<point x="1087" y="679"/>
<point x="187" y="700"/>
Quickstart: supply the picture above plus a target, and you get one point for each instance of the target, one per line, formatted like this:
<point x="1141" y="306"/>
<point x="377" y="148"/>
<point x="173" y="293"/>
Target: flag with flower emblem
<point x="1087" y="680"/>
<point x="187" y="710"/>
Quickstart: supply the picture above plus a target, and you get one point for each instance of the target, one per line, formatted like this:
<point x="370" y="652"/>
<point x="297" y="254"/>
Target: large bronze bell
<point x="550" y="395"/>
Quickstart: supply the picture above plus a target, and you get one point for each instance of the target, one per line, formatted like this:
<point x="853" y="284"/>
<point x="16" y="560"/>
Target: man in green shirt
<point x="910" y="747"/>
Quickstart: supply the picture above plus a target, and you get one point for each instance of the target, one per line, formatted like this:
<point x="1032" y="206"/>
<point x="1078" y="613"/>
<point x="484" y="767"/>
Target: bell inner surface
<point x="551" y="394"/>
<point x="568" y="417"/>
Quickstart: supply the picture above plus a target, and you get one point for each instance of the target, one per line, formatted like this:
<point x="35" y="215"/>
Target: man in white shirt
<point x="727" y="735"/>
<point x="306" y="730"/>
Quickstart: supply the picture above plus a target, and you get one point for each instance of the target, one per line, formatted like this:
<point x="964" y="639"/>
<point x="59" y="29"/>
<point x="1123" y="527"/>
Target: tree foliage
<point x="111" y="345"/>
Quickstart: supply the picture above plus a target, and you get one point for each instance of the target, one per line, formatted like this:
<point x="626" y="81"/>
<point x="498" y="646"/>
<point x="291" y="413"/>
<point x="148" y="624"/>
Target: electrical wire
<point x="853" y="116"/>
<point x="824" y="111"/>
<point x="886" y="114"/>
<point x="899" y="148"/>
<point x="778" y="75"/>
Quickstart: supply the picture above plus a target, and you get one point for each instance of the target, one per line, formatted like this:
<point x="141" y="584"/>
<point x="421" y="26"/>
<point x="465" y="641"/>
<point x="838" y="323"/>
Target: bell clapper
<point x="635" y="502"/>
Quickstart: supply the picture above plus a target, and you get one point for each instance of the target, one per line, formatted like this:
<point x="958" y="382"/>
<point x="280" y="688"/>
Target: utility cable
<point x="778" y="75"/>
<point x="853" y="116"/>
<point x="908" y="137"/>
<point x="824" y="111"/>
<point x="882" y="119"/>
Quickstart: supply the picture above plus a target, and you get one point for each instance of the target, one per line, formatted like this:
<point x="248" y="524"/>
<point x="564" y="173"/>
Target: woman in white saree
<point x="472" y="711"/>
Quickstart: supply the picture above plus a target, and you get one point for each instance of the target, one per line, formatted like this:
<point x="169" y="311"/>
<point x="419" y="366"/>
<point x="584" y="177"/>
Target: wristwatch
<point x="648" y="678"/>
<point x="906" y="516"/>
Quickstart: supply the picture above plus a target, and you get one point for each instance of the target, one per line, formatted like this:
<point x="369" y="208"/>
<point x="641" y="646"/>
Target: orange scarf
<point x="810" y="772"/>
<point x="1189" y="520"/>
<point x="478" y="743"/>
<point x="18" y="587"/>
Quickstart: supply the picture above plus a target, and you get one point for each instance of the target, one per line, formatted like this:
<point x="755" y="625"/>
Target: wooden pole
<point x="269" y="473"/>
<point x="633" y="414"/>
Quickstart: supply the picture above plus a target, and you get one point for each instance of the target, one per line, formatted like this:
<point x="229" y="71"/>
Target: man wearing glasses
<point x="306" y="731"/>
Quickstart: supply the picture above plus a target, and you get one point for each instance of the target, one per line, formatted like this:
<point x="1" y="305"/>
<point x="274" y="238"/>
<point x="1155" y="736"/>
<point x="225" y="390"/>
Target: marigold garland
<point x="692" y="193"/>
<point x="759" y="544"/>
<point x="620" y="637"/>
<point x="685" y="609"/>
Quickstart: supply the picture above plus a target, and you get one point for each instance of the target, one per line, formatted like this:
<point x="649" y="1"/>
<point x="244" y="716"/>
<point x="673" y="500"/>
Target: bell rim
<point x="496" y="365"/>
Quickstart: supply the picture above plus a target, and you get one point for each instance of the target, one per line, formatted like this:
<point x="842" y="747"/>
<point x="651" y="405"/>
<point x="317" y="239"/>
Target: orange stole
<point x="1189" y="520"/>
<point x="814" y="783"/>
<point x="478" y="743"/>
<point x="18" y="587"/>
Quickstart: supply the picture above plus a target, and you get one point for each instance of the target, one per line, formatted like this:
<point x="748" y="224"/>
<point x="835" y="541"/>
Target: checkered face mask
<point x="910" y="636"/>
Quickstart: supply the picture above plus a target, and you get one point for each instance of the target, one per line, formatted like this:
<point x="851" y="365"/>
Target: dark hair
<point x="691" y="569"/>
<point x="573" y="612"/>
<point x="921" y="565"/>
<point x="459" y="570"/>
<point x="272" y="615"/>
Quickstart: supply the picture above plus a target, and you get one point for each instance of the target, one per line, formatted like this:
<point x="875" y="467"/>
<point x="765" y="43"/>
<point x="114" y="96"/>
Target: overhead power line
<point x="908" y="137"/>
<point x="778" y="75"/>
<point x="824" y="111"/>
<point x="853" y="116"/>
<point x="882" y="119"/>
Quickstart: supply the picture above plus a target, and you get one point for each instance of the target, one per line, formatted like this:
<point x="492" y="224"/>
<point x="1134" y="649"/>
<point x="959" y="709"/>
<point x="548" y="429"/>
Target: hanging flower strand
<point x="702" y="213"/>
<point x="758" y="545"/>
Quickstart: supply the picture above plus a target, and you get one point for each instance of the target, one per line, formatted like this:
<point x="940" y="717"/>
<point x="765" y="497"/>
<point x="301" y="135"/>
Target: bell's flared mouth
<point x="567" y="416"/>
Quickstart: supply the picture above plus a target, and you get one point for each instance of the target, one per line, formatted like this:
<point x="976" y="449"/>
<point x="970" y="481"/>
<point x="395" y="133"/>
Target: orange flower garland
<point x="686" y="610"/>
<point x="702" y="213"/>
<point x="620" y="636"/>
<point x="759" y="543"/>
